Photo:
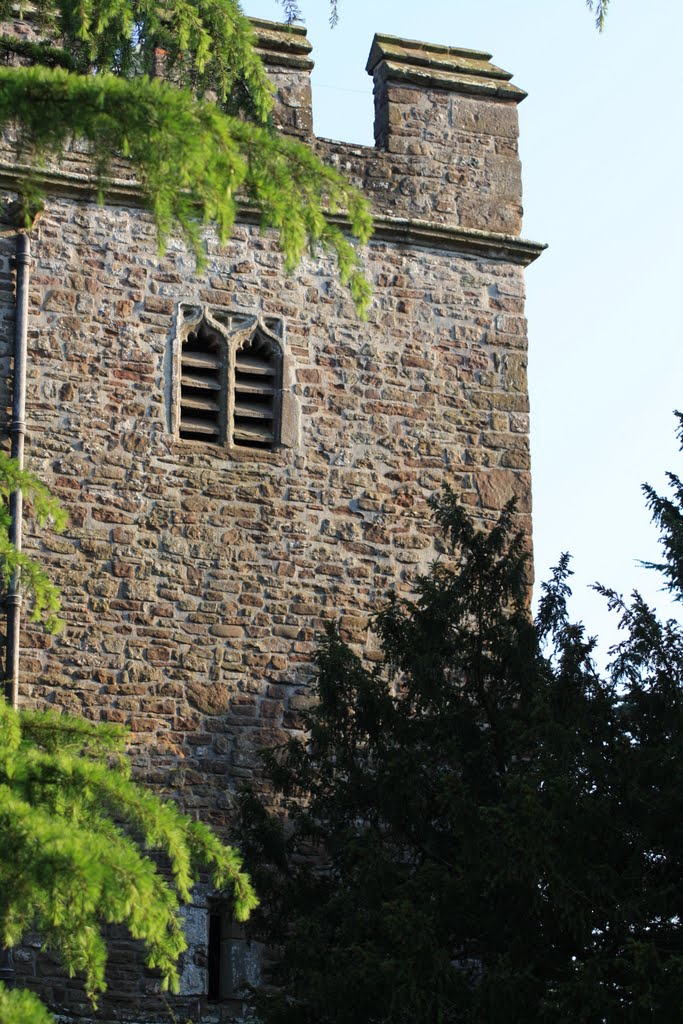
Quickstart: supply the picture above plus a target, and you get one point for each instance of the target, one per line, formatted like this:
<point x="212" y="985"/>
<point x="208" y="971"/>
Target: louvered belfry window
<point x="202" y="385"/>
<point x="256" y="406"/>
<point x="230" y="379"/>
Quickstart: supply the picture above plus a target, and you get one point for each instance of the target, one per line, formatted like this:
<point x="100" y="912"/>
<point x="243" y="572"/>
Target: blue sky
<point x="602" y="154"/>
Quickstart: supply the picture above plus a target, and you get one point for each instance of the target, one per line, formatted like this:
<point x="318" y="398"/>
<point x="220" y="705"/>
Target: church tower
<point x="241" y="457"/>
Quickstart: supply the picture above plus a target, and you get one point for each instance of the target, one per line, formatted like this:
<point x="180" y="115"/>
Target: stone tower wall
<point x="195" y="576"/>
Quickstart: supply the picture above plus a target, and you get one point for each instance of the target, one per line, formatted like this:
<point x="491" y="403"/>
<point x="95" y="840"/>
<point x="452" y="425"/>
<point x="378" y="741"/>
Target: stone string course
<point x="194" y="577"/>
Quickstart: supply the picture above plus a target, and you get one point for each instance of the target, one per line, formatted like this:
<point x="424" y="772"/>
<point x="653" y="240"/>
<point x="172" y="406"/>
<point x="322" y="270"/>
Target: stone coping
<point x="423" y="233"/>
<point x="282" y="45"/>
<point x="446" y="67"/>
<point x="283" y="36"/>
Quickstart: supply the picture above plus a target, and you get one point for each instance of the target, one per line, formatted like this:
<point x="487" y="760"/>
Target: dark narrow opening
<point x="256" y="394"/>
<point x="214" y="958"/>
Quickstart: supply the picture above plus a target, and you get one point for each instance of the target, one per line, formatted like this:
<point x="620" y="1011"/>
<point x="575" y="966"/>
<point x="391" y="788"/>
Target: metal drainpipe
<point x="18" y="433"/>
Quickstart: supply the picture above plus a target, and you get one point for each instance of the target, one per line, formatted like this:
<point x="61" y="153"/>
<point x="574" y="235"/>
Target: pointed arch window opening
<point x="203" y="382"/>
<point x="256" y="392"/>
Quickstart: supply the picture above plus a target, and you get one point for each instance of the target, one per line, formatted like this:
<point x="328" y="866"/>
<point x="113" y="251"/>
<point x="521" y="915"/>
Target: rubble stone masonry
<point x="195" y="576"/>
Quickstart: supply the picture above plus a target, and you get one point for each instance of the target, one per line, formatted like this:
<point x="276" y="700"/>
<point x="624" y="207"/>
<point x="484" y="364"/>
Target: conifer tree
<point x="198" y="137"/>
<point x="78" y="835"/>
<point x="482" y="827"/>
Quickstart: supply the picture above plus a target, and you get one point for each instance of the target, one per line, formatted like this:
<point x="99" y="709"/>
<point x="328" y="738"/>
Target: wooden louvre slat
<point x="253" y="411"/>
<point x="199" y="402"/>
<point x="194" y="425"/>
<point x="192" y="380"/>
<point x="250" y="388"/>
<point x="247" y="364"/>
<point x="202" y="360"/>
<point x="253" y="432"/>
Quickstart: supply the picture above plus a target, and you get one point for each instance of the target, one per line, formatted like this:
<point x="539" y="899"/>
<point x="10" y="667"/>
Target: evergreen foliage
<point x="482" y="828"/>
<point x="600" y="8"/>
<point x="76" y="832"/>
<point x="37" y="586"/>
<point x="194" y="153"/>
<point x="293" y="11"/>
<point x="668" y="514"/>
<point x="22" y="1007"/>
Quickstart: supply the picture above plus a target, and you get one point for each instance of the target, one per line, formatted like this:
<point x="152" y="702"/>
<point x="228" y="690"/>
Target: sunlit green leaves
<point x="35" y="583"/>
<point x="22" y="1007"/>
<point x="75" y="838"/>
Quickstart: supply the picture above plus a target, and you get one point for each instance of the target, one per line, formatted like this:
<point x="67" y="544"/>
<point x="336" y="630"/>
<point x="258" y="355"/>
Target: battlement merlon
<point x="418" y="91"/>
<point x="454" y="109"/>
<point x="285" y="50"/>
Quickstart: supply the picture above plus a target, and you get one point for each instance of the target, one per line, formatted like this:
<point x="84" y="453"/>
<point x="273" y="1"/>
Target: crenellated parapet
<point x="446" y="131"/>
<point x="444" y="169"/>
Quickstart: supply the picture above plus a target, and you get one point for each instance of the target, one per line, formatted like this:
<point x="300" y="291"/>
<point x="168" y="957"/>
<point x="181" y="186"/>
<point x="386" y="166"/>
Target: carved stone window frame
<point x="236" y="331"/>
